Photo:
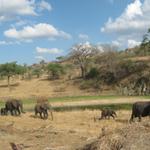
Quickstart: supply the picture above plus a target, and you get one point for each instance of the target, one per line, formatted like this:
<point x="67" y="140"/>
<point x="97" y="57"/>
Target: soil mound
<point x="135" y="136"/>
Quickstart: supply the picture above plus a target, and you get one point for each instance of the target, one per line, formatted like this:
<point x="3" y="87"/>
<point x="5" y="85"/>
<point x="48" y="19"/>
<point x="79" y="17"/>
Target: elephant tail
<point x="51" y="111"/>
<point x="52" y="115"/>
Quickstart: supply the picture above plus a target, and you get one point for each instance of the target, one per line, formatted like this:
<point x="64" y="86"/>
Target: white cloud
<point x="132" y="23"/>
<point x="40" y="58"/>
<point x="134" y="9"/>
<point x="83" y="36"/>
<point x="8" y="42"/>
<point x="50" y="51"/>
<point x="133" y="43"/>
<point x="100" y="48"/>
<point x="130" y="19"/>
<point x="116" y="43"/>
<point x="43" y="5"/>
<point x="3" y="43"/>
<point x="20" y="23"/>
<point x="41" y="30"/>
<point x="9" y="8"/>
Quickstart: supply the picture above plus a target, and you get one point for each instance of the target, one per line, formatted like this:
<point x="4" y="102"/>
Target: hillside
<point x="39" y="87"/>
<point x="72" y="86"/>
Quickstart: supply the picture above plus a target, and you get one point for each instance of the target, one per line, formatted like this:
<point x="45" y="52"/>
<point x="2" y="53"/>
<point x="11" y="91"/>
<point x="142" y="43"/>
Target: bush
<point x="108" y="77"/>
<point x="55" y="70"/>
<point x="93" y="73"/>
<point x="126" y="68"/>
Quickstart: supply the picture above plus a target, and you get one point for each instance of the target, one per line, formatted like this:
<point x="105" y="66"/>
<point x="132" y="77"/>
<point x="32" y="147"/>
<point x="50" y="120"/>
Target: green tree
<point x="55" y="70"/>
<point x="37" y="71"/>
<point x="10" y="69"/>
<point x="21" y="70"/>
<point x="93" y="73"/>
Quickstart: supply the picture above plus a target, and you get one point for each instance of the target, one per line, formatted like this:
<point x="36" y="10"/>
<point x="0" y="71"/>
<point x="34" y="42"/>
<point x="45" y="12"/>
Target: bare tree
<point x="81" y="55"/>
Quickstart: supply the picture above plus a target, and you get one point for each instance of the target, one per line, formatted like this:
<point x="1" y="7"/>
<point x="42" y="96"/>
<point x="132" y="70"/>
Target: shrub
<point x="93" y="73"/>
<point x="55" y="70"/>
<point x="108" y="77"/>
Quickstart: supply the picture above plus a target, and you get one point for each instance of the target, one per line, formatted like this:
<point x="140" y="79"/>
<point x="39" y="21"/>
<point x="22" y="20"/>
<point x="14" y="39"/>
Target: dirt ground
<point x="40" y="87"/>
<point x="67" y="131"/>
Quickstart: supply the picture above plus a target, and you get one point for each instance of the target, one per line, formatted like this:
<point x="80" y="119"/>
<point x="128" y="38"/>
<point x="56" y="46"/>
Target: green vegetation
<point x="55" y="70"/>
<point x="80" y="98"/>
<point x="37" y="72"/>
<point x="125" y="106"/>
<point x="11" y="69"/>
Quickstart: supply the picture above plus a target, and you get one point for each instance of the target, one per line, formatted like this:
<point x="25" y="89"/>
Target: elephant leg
<point x="19" y="112"/>
<point x="41" y="115"/>
<point x="6" y="112"/>
<point x="35" y="113"/>
<point x="132" y="118"/>
<point x="11" y="111"/>
<point x="140" y="118"/>
<point x="46" y="114"/>
<point x="15" y="112"/>
<point x="112" y="116"/>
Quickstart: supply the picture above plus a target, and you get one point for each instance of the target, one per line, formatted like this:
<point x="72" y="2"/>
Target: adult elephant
<point x="42" y="109"/>
<point x="14" y="106"/>
<point x="140" y="109"/>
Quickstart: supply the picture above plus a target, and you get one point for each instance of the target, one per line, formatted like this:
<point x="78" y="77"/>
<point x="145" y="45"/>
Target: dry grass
<point x="67" y="131"/>
<point x="39" y="87"/>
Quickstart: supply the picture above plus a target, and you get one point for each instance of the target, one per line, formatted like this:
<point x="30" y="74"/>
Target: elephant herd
<point x="15" y="107"/>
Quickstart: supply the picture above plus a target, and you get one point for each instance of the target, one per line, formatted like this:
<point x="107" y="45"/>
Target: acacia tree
<point x="55" y="70"/>
<point x="81" y="55"/>
<point x="21" y="70"/>
<point x="37" y="71"/>
<point x="10" y="69"/>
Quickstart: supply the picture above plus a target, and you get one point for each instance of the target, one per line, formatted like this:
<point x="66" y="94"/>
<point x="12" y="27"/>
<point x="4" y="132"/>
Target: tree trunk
<point x="82" y="72"/>
<point x="8" y="82"/>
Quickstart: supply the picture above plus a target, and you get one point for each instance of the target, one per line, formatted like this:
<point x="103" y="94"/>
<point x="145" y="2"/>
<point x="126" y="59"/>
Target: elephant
<point x="140" y="109"/>
<point x="3" y="111"/>
<point x="108" y="113"/>
<point x="42" y="109"/>
<point x="14" y="106"/>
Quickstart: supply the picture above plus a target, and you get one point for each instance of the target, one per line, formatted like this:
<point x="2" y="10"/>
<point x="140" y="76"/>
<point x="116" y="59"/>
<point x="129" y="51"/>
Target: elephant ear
<point x="42" y="106"/>
<point x="14" y="103"/>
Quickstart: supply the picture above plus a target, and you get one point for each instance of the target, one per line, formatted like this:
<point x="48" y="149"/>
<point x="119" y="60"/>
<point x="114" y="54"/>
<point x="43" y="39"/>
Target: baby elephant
<point x="3" y="111"/>
<point x="42" y="109"/>
<point x="107" y="113"/>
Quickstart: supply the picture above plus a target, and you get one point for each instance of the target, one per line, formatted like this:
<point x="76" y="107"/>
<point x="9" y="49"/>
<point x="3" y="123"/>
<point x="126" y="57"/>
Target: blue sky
<point x="32" y="30"/>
